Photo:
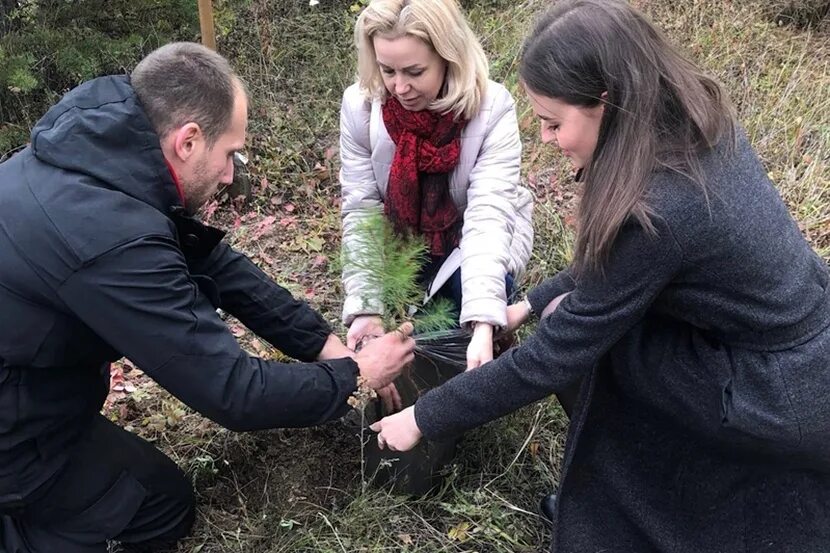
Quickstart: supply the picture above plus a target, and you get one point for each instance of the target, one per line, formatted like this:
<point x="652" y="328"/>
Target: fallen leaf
<point x="459" y="532"/>
<point x="533" y="447"/>
<point x="288" y="222"/>
<point x="116" y="378"/>
<point x="263" y="228"/>
<point x="314" y="244"/>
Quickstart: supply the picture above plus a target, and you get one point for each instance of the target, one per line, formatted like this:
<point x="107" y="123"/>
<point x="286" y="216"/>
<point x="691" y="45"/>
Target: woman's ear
<point x="603" y="99"/>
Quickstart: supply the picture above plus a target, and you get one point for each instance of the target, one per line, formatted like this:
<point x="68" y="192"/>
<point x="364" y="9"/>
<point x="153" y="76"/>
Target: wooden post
<point x="206" y="23"/>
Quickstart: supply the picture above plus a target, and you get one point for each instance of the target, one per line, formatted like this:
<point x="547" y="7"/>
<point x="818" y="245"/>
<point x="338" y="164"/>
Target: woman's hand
<point x="517" y="315"/>
<point x="334" y="349"/>
<point x="363" y="325"/>
<point x="480" y="350"/>
<point x="398" y="432"/>
<point x="390" y="397"/>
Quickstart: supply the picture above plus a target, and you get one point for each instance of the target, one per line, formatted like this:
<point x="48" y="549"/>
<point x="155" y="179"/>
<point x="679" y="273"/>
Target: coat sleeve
<point x="490" y="217"/>
<point x="140" y="299"/>
<point x="566" y="345"/>
<point x="262" y="305"/>
<point x="550" y="289"/>
<point x="521" y="245"/>
<point x="360" y="198"/>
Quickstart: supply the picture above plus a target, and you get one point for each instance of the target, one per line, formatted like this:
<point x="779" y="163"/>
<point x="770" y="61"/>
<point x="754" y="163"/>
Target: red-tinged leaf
<point x="263" y="184"/>
<point x="570" y="220"/>
<point x="116" y="378"/>
<point x="310" y="293"/>
<point x="288" y="222"/>
<point x="319" y="261"/>
<point x="237" y="330"/>
<point x="554" y="181"/>
<point x="209" y="210"/>
<point x="264" y="227"/>
<point x="237" y="222"/>
<point x="289" y="207"/>
<point x="331" y="151"/>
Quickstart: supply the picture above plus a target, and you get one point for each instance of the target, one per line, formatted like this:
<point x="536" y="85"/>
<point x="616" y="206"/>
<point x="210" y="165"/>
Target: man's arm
<point x="265" y="307"/>
<point x="140" y="299"/>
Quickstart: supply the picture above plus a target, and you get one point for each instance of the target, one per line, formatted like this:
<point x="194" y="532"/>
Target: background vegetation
<point x="300" y="490"/>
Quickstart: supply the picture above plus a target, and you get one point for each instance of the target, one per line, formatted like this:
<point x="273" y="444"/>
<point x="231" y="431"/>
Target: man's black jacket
<point x="99" y="261"/>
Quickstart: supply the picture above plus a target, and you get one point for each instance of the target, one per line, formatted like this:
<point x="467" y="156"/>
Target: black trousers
<point x="116" y="486"/>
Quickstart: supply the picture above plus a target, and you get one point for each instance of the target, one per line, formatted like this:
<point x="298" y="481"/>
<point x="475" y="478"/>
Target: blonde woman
<point x="428" y="140"/>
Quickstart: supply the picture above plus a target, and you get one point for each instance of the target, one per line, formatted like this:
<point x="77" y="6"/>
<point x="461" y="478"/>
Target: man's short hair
<point x="186" y="82"/>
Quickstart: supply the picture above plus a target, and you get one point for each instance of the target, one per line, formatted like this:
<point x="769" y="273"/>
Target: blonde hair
<point x="441" y="25"/>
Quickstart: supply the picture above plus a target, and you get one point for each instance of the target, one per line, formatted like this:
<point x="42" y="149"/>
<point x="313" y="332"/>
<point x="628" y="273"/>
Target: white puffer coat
<point x="497" y="234"/>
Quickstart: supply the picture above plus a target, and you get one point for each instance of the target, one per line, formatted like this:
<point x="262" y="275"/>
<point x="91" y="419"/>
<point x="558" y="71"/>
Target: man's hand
<point x="398" y="432"/>
<point x="363" y="325"/>
<point x="334" y="349"/>
<point x="480" y="350"/>
<point x="381" y="360"/>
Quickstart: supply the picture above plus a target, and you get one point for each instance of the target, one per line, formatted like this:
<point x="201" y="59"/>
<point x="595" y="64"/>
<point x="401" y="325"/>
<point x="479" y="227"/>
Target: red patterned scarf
<point x="427" y="147"/>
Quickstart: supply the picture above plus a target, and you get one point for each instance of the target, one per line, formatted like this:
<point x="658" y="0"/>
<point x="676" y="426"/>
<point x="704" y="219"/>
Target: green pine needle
<point x="390" y="264"/>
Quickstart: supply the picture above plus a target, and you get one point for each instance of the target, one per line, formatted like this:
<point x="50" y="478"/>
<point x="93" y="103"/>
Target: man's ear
<point x="187" y="140"/>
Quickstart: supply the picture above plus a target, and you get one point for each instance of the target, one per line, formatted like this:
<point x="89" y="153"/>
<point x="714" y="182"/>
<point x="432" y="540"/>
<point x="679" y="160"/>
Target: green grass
<point x="300" y="490"/>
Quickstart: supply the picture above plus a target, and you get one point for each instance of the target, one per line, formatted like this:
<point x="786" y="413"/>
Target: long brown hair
<point x="660" y="110"/>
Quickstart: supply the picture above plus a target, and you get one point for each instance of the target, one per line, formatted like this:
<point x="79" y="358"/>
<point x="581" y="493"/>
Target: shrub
<point x="49" y="46"/>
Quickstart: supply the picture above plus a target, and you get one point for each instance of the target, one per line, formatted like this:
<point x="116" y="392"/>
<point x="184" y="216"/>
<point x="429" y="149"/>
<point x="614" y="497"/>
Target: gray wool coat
<point x="703" y="421"/>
